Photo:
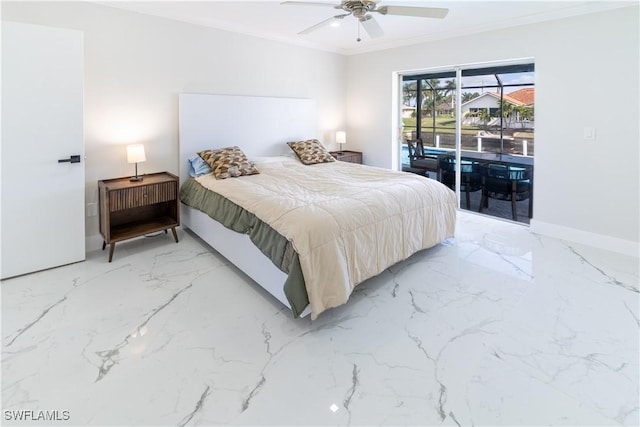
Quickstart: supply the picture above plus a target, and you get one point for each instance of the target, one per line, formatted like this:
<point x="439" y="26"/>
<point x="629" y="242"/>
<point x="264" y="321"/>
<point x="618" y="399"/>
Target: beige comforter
<point x="347" y="222"/>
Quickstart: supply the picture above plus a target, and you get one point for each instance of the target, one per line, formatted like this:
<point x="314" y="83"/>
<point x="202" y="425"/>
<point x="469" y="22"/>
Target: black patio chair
<point x="506" y="182"/>
<point x="470" y="177"/>
<point x="420" y="161"/>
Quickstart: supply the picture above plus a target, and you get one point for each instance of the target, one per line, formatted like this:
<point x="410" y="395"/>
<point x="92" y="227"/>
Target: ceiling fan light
<point x="335" y="24"/>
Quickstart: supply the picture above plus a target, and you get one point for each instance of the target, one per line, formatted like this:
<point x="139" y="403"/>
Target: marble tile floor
<point x="495" y="327"/>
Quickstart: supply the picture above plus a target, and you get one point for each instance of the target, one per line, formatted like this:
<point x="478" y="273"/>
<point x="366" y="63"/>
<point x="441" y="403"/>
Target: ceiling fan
<point x="362" y="9"/>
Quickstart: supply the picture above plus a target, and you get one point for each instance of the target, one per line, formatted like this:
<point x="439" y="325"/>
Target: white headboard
<point x="260" y="126"/>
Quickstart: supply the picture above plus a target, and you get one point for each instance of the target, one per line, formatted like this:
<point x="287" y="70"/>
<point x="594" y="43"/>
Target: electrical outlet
<point x="92" y="209"/>
<point x="589" y="134"/>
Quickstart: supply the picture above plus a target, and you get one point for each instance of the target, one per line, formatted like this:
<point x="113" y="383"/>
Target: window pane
<point x="486" y="81"/>
<point x="517" y="78"/>
<point x="409" y="109"/>
<point x="498" y="112"/>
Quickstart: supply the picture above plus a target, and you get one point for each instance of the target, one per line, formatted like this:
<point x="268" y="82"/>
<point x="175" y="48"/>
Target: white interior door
<point x="42" y="223"/>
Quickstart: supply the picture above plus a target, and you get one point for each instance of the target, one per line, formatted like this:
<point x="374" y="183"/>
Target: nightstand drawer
<point x="347" y="156"/>
<point x="134" y="197"/>
<point x="353" y="158"/>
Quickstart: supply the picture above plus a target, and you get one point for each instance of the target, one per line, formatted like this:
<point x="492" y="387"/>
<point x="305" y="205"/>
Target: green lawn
<point x="444" y="124"/>
<point x="447" y="125"/>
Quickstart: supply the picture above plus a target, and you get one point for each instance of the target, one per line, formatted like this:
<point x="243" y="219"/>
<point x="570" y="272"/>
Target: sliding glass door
<point x="487" y="129"/>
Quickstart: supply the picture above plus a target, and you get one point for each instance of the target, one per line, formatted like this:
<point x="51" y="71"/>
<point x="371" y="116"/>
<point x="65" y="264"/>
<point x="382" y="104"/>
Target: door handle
<point x="71" y="159"/>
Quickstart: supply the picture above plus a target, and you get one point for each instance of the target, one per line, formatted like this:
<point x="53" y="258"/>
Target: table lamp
<point x="341" y="138"/>
<point x="135" y="154"/>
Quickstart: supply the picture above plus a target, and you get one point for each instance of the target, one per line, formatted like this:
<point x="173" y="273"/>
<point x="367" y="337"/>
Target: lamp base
<point x="136" y="178"/>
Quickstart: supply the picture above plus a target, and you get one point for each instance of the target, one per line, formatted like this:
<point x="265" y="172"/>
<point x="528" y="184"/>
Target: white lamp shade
<point x="135" y="153"/>
<point x="341" y="137"/>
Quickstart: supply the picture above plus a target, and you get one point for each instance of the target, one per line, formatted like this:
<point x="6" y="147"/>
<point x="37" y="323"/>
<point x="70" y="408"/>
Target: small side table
<point x="132" y="209"/>
<point x="348" y="156"/>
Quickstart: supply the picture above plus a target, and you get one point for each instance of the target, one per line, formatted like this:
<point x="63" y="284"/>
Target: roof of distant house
<point x="520" y="97"/>
<point x="507" y="98"/>
<point x="524" y="96"/>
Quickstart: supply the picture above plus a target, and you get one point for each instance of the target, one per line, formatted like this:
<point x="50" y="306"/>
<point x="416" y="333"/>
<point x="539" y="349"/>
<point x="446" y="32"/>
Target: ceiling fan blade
<point x="422" y="12"/>
<point x="372" y="27"/>
<point x="322" y="23"/>
<point x="307" y="3"/>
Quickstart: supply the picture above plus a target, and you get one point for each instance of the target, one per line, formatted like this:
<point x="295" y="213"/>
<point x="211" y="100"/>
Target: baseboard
<point x="614" y="244"/>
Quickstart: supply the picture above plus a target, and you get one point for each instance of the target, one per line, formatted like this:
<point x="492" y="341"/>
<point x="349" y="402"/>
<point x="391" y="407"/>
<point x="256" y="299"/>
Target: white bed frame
<point x="260" y="126"/>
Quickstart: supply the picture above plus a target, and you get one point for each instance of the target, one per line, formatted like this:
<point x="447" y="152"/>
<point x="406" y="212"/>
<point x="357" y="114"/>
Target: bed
<point x="308" y="234"/>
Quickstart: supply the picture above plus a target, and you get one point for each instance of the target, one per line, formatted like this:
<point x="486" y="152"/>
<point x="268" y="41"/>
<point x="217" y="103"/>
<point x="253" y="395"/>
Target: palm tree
<point x="430" y="96"/>
<point x="409" y="93"/>
<point x="449" y="90"/>
<point x="468" y="96"/>
<point x="507" y="111"/>
<point x="525" y="113"/>
<point x="484" y="117"/>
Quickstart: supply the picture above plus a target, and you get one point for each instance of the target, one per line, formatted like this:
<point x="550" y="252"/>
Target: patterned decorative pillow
<point x="311" y="152"/>
<point x="229" y="162"/>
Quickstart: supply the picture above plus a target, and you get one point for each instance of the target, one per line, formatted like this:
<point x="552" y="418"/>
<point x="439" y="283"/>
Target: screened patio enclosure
<point x="496" y="134"/>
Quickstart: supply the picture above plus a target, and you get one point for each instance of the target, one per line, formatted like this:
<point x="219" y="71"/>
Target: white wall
<point x="136" y="65"/>
<point x="586" y="76"/>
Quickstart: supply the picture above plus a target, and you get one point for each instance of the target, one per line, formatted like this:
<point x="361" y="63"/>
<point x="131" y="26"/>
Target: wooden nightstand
<point x="132" y="209"/>
<point x="347" y="156"/>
